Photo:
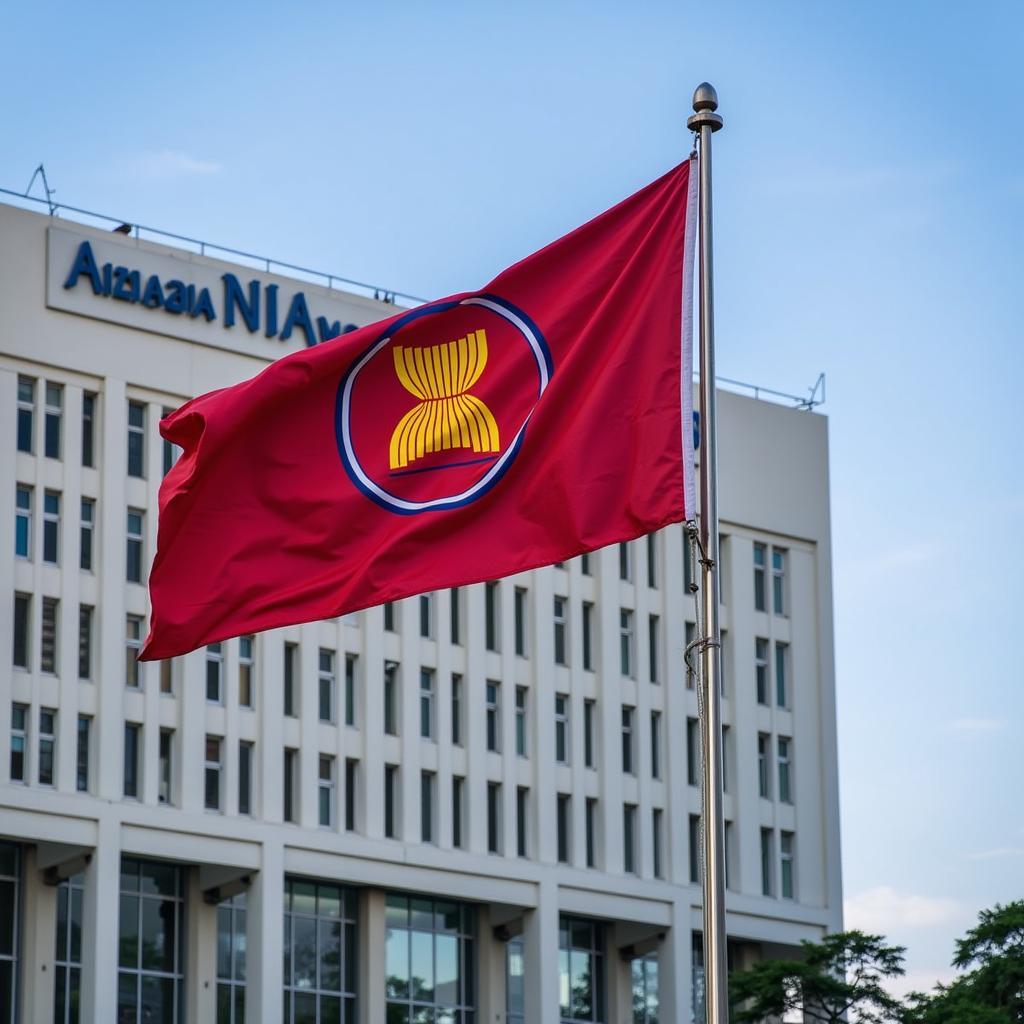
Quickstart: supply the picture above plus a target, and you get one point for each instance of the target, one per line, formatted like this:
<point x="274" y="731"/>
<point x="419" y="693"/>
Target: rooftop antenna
<point x="40" y="172"/>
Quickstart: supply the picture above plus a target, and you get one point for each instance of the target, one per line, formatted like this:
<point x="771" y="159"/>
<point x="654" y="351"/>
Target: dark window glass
<point x="21" y="629"/>
<point x="88" y="429"/>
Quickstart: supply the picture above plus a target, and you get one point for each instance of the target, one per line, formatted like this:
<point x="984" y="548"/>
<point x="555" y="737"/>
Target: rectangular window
<point x="82" y="754"/>
<point x="761" y="669"/>
<point x="693" y="752"/>
<point x="351" y="777"/>
<point x="689" y="635"/>
<point x="625" y="561"/>
<point x="653" y="640"/>
<point x="627" y="741"/>
<point x="246" y="670"/>
<point x="779" y="581"/>
<point x="351" y="662"/>
<point x="781" y="674"/>
<point x="391" y="698"/>
<point x="167" y="676"/>
<point x="493" y="718"/>
<point x="325" y="685"/>
<point x="170" y="451"/>
<point x="291" y="779"/>
<point x="457" y="709"/>
<point x="521" y="698"/>
<point x="652" y="560"/>
<point x="728" y="853"/>
<point x="165" y="767"/>
<point x="19" y="741"/>
<point x="726" y="756"/>
<point x="494" y="817"/>
<point x="786" y="857"/>
<point x="492" y="621"/>
<point x="133" y="563"/>
<point x="325" y="791"/>
<point x="48" y="635"/>
<point x="215" y="673"/>
<point x="291" y="657"/>
<point x="688" y="566"/>
<point x="427" y="703"/>
<point x="590" y="824"/>
<point x="427" y="807"/>
<point x="133" y="647"/>
<point x="760" y="590"/>
<point x="458" y="786"/>
<point x="585" y="564"/>
<point x="785" y="769"/>
<point x="456" y="615"/>
<point x="563" y="824"/>
<point x="212" y="773"/>
<point x="51" y="527"/>
<point x="588" y="636"/>
<point x="561" y="645"/>
<point x="520" y="621"/>
<point x="657" y="841"/>
<point x="655" y="744"/>
<point x="426" y="616"/>
<point x="22" y="616"/>
<point x="588" y="733"/>
<point x="231" y="957"/>
<point x="696" y="854"/>
<point x="390" y="800"/>
<point x="23" y="521"/>
<point x="763" y="762"/>
<point x="136" y="439"/>
<point x="151" y="941"/>
<point x="26" y="413"/>
<point x="54" y="395"/>
<point x="47" y="745"/>
<point x="85" y="534"/>
<point x="561" y="728"/>
<point x="245" y="767"/>
<point x="389" y="616"/>
<point x="522" y="816"/>
<point x="629" y="838"/>
<point x="626" y="641"/>
<point x="767" y="863"/>
<point x="131" y="759"/>
<point x="581" y="971"/>
<point x="88" y="429"/>
<point x="429" y="964"/>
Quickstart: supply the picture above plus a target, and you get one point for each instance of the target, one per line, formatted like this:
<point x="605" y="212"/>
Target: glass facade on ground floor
<point x="10" y="905"/>
<point x="581" y="986"/>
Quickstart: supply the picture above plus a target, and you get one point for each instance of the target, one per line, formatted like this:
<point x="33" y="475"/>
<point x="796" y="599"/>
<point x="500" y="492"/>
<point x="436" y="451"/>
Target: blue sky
<point x="869" y="213"/>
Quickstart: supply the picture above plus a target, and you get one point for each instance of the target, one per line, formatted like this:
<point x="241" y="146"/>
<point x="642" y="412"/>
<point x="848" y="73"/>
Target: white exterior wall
<point x="774" y="490"/>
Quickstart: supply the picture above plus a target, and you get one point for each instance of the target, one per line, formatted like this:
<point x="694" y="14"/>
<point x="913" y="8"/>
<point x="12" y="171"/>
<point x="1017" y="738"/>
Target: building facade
<point x="472" y="806"/>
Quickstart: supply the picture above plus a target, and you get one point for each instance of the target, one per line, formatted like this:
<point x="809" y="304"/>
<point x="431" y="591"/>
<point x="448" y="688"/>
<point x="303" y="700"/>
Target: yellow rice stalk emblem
<point x="447" y="416"/>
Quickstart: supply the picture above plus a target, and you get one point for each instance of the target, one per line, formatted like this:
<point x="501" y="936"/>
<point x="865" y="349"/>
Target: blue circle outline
<point x="442" y="504"/>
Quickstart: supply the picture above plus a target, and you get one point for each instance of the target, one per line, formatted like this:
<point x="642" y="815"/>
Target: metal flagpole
<point x="706" y="121"/>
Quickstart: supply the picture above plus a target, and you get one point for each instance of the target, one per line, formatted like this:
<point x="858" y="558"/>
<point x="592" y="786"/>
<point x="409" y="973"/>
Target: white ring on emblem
<point x="401" y="504"/>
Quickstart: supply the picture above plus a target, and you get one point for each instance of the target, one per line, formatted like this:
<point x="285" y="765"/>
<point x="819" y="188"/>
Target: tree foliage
<point x="991" y="991"/>
<point x="840" y="979"/>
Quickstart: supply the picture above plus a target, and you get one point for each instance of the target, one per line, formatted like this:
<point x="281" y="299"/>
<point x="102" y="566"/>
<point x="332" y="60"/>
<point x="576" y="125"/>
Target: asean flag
<point x="467" y="439"/>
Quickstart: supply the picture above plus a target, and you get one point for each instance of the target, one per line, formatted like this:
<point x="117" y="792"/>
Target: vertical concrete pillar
<point x="265" y="938"/>
<point x="540" y="955"/>
<point x="372" y="932"/>
<point x="100" y="927"/>
<point x="674" y="968"/>
<point x="39" y="914"/>
<point x="200" y="954"/>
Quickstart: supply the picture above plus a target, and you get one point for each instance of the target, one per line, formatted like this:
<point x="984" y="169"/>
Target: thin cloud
<point x="971" y="728"/>
<point x="882" y="910"/>
<point x="170" y="163"/>
<point x="998" y="853"/>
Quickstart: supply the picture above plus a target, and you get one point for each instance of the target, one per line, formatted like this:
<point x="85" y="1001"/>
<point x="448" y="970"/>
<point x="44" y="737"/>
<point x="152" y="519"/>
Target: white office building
<point x="471" y="807"/>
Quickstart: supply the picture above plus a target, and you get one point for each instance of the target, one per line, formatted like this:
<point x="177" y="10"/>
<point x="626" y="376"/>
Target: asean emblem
<point x="433" y="413"/>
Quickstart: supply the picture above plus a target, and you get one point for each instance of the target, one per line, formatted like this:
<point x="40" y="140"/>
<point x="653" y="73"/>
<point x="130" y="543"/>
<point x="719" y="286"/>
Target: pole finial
<point x="705" y="103"/>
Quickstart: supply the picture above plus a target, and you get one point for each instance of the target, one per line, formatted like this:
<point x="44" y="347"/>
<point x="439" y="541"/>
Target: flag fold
<point x="465" y="440"/>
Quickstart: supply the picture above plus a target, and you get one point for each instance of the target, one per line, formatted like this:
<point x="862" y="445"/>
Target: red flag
<point x="465" y="440"/>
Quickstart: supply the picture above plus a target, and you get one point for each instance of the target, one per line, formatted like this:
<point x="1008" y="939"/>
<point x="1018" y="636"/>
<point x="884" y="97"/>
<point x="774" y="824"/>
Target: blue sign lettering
<point x="240" y="301"/>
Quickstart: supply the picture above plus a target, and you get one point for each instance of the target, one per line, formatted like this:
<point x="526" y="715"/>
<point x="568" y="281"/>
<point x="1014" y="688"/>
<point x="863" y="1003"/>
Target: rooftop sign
<point x="192" y="297"/>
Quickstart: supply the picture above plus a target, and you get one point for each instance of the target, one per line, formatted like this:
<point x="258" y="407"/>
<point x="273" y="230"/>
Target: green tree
<point x="838" y="980"/>
<point x="991" y="991"/>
